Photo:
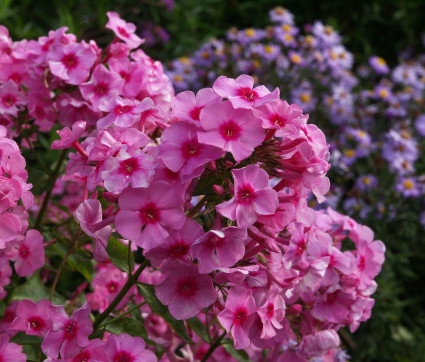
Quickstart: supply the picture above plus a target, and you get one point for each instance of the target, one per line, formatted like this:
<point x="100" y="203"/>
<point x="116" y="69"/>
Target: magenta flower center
<point x="179" y="249"/>
<point x="101" y="89"/>
<point x="70" y="61"/>
<point x="245" y="194"/>
<point x="301" y="247"/>
<point x="36" y="323"/>
<point x="16" y="77"/>
<point x="39" y="112"/>
<point x="150" y="214"/>
<point x="112" y="286"/>
<point x="119" y="109"/>
<point x="129" y="165"/>
<point x="190" y="148"/>
<point x="123" y="32"/>
<point x="187" y="287"/>
<point x="230" y="130"/>
<point x="362" y="263"/>
<point x="215" y="242"/>
<point x="248" y="94"/>
<point x="240" y="316"/>
<point x="124" y="75"/>
<point x="82" y="357"/>
<point x="24" y="252"/>
<point x="9" y="100"/>
<point x="270" y="310"/>
<point x="277" y="120"/>
<point x="194" y="113"/>
<point x="70" y="329"/>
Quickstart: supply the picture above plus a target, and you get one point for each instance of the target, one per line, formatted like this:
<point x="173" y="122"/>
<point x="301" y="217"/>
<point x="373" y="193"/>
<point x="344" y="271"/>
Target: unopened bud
<point x="219" y="190"/>
<point x="111" y="197"/>
<point x="228" y="164"/>
<point x="212" y="166"/>
<point x="295" y="309"/>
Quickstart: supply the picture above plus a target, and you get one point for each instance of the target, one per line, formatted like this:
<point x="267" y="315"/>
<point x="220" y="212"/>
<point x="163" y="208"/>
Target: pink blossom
<point x="238" y="315"/>
<point x="10" y="351"/>
<point x="181" y="151"/>
<point x="185" y="291"/>
<point x="130" y="72"/>
<point x="241" y="92"/>
<point x="219" y="248"/>
<point x="126" y="348"/>
<point x="253" y="196"/>
<point x="319" y="343"/>
<point x="123" y="112"/>
<point x="11" y="98"/>
<point x="94" y="352"/>
<point x="10" y="226"/>
<point x="71" y="62"/>
<point x="5" y="274"/>
<point x="68" y="335"/>
<point x="68" y="137"/>
<point x="233" y="130"/>
<point x="102" y="86"/>
<point x="187" y="107"/>
<point x="123" y="30"/>
<point x="30" y="256"/>
<point x="271" y="313"/>
<point x="146" y="213"/>
<point x="32" y="318"/>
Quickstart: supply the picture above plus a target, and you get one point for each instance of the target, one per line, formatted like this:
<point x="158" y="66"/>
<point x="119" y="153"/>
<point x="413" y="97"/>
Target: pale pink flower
<point x="241" y="92"/>
<point x="319" y="343"/>
<point x="271" y="313"/>
<point x="253" y="196"/>
<point x="10" y="227"/>
<point x="123" y="30"/>
<point x="184" y="290"/>
<point x="30" y="256"/>
<point x="146" y="214"/>
<point x="127" y="348"/>
<point x="12" y="98"/>
<point x="68" y="137"/>
<point x="94" y="352"/>
<point x="234" y="130"/>
<point x="32" y="318"/>
<point x="238" y="315"/>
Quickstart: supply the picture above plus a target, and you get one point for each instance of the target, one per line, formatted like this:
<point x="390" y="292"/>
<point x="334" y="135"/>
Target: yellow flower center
<point x="408" y="184"/>
<point x="305" y="97"/>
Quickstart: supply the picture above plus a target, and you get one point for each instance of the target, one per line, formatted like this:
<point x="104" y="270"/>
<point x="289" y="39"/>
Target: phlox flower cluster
<point x="191" y="207"/>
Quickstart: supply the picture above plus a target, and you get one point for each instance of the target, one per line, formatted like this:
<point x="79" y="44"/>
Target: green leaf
<point x="239" y="354"/>
<point x="35" y="290"/>
<point x="199" y="328"/>
<point x="118" y="253"/>
<point x="21" y="338"/>
<point x="77" y="261"/>
<point x="148" y="292"/>
<point x="130" y="326"/>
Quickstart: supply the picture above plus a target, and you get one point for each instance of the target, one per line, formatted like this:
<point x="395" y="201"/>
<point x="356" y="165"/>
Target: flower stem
<point x="122" y="314"/>
<point x="132" y="278"/>
<point x="213" y="347"/>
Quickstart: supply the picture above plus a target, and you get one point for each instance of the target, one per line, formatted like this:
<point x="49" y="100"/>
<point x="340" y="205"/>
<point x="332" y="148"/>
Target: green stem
<point x="213" y="347"/>
<point x="132" y="278"/>
<point x="53" y="178"/>
<point x="122" y="315"/>
<point x="36" y="156"/>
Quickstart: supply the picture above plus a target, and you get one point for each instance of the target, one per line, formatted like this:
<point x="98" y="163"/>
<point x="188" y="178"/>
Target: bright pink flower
<point x="10" y="351"/>
<point x="187" y="107"/>
<point x="5" y="274"/>
<point x="123" y="112"/>
<point x="177" y="245"/>
<point x="102" y="86"/>
<point x="241" y="92"/>
<point x="88" y="214"/>
<point x="271" y="313"/>
<point x="68" y="137"/>
<point x="32" y="318"/>
<point x="94" y="352"/>
<point x="238" y="315"/>
<point x="123" y="30"/>
<point x="185" y="291"/>
<point x="10" y="226"/>
<point x="125" y="348"/>
<point x="72" y="62"/>
<point x="124" y="169"/>
<point x="11" y="98"/>
<point x="253" y="196"/>
<point x="334" y="306"/>
<point x="234" y="130"/>
<point x="219" y="248"/>
<point x="181" y="151"/>
<point x="370" y="257"/>
<point x="146" y="213"/>
<point x="30" y="256"/>
<point x="68" y="335"/>
<point x="130" y="72"/>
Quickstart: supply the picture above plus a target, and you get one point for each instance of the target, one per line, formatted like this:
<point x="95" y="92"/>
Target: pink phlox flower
<point x="241" y="92"/>
<point x="319" y="343"/>
<point x="72" y="62"/>
<point x="238" y="315"/>
<point x="123" y="30"/>
<point x="219" y="248"/>
<point x="12" y="98"/>
<point x="103" y="147"/>
<point x="126" y="348"/>
<point x="177" y="245"/>
<point x="187" y="107"/>
<point x="146" y="214"/>
<point x="334" y="306"/>
<point x="122" y="112"/>
<point x="30" y="256"/>
<point x="5" y="274"/>
<point x="10" y="228"/>
<point x="253" y="196"/>
<point x="69" y="334"/>
<point x="94" y="352"/>
<point x="181" y="151"/>
<point x="10" y="351"/>
<point x="296" y="254"/>
<point x="71" y="107"/>
<point x="136" y="169"/>
<point x="102" y="86"/>
<point x="361" y="311"/>
<point x="370" y="257"/>
<point x="130" y="72"/>
<point x="16" y="71"/>
<point x="68" y="137"/>
<point x="271" y="314"/>
<point x="42" y="110"/>
<point x="184" y="290"/>
<point x="88" y="214"/>
<point x="130" y="137"/>
<point x="233" y="130"/>
<point x="32" y="318"/>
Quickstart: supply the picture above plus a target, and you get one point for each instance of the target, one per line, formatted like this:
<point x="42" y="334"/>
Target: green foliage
<point x="120" y="255"/>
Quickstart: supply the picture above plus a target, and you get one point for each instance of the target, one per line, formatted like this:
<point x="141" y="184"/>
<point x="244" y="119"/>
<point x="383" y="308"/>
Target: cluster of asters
<point x="373" y="119"/>
<point x="210" y="188"/>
